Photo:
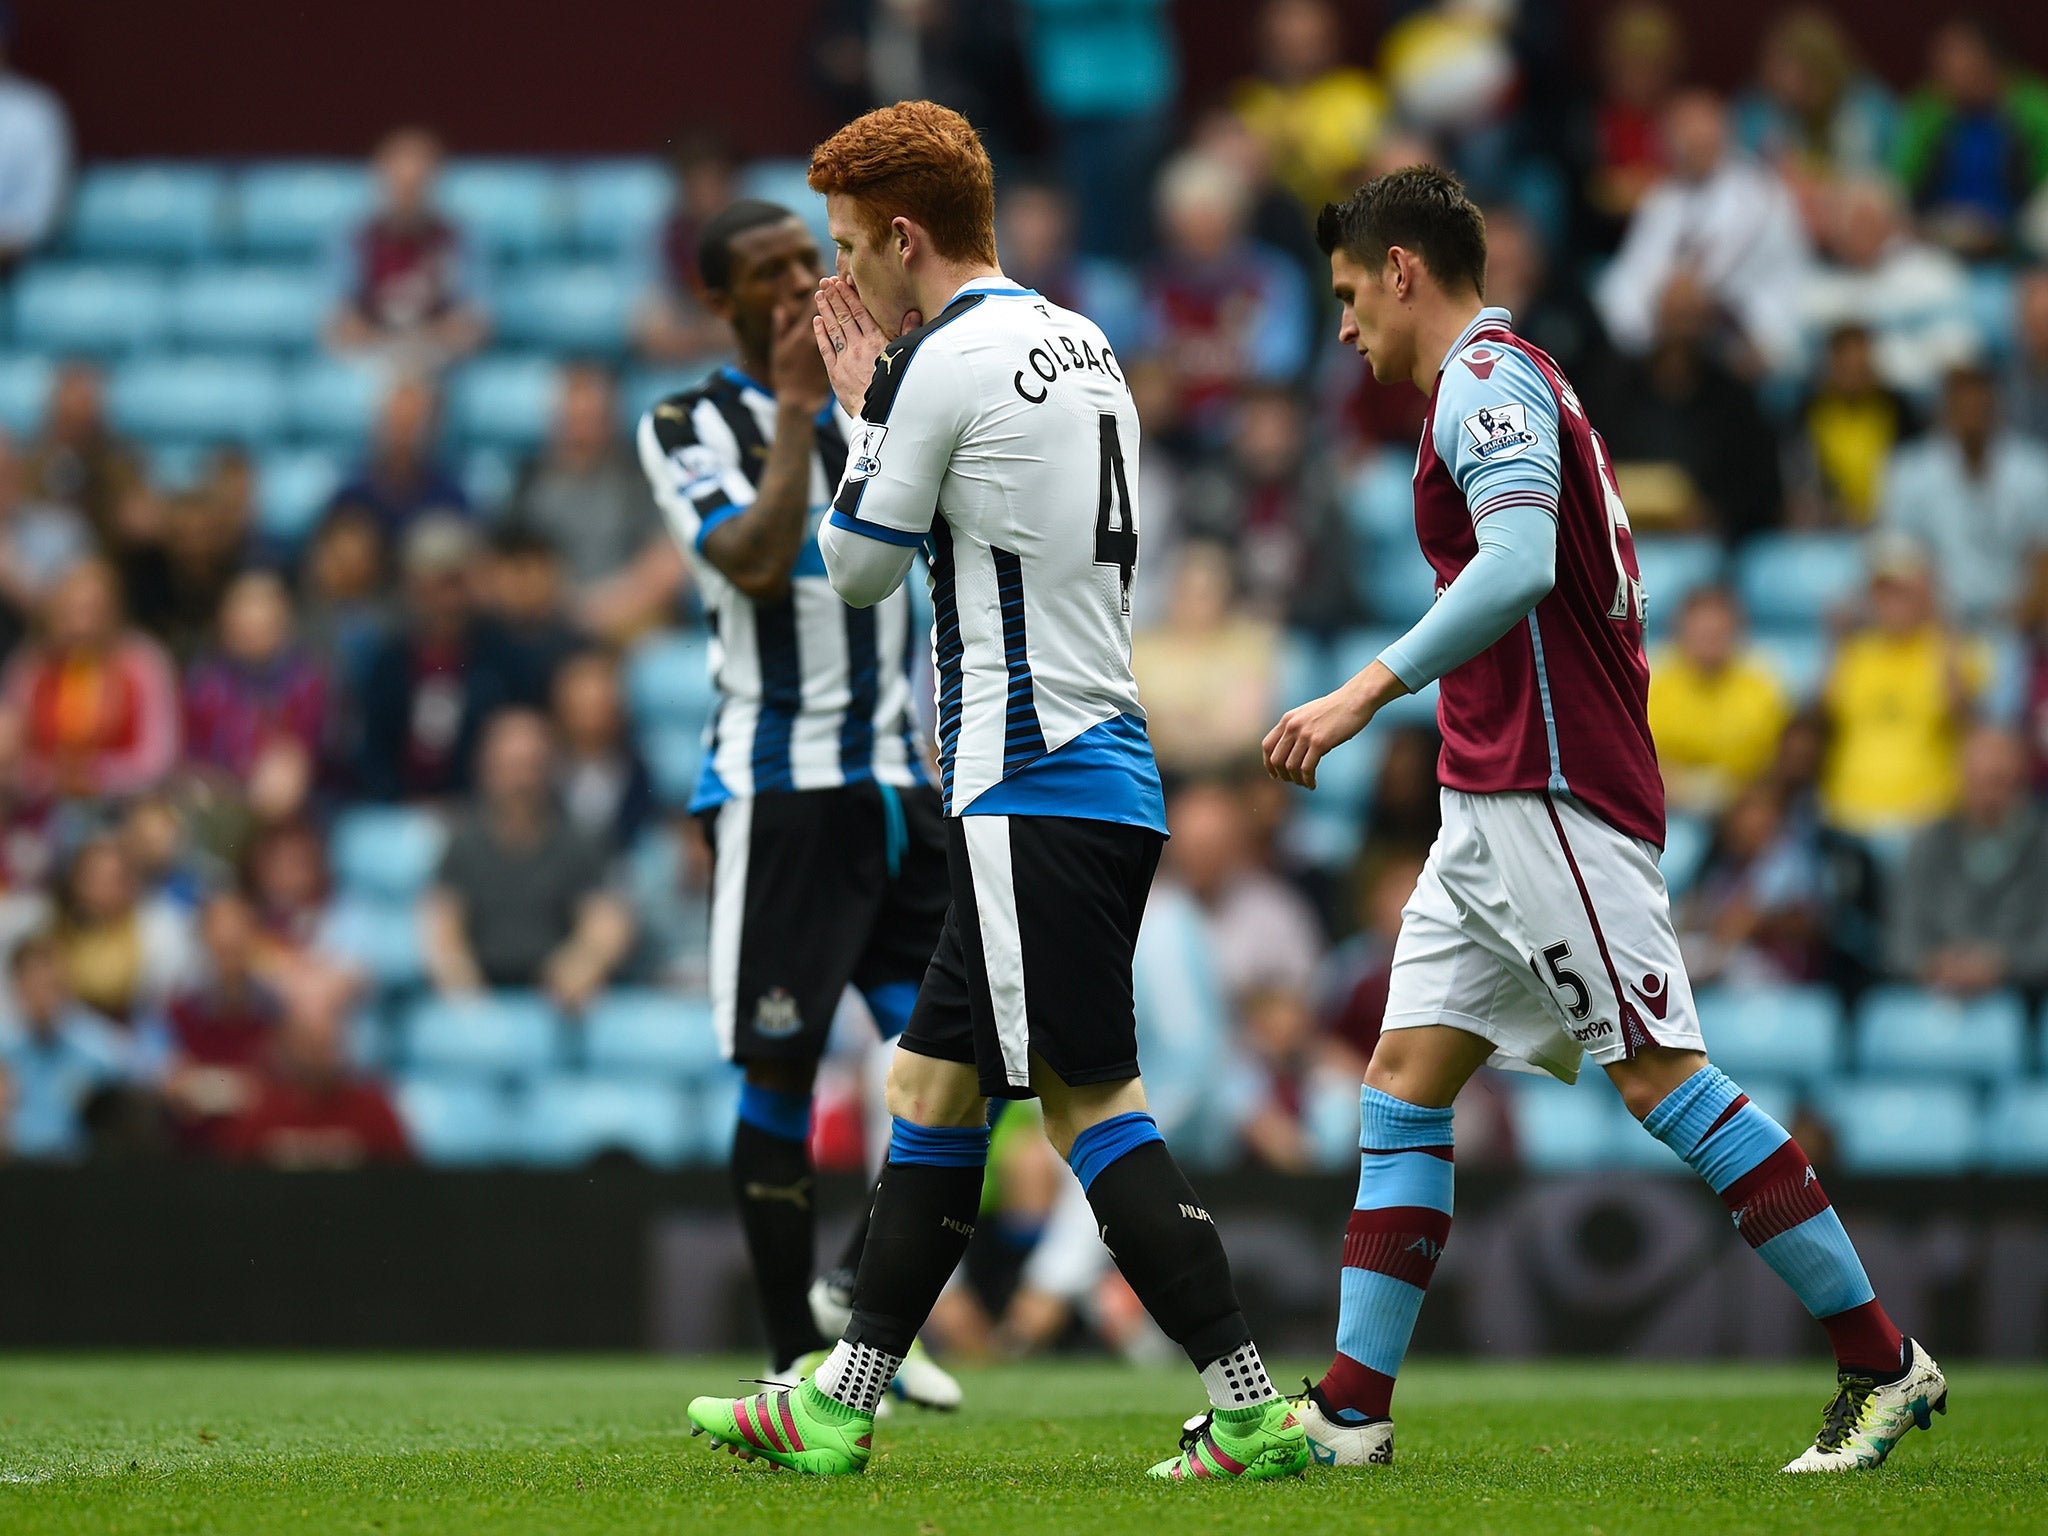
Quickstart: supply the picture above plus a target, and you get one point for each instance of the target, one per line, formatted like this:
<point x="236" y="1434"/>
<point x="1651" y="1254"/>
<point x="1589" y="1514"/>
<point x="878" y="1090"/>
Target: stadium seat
<point x="668" y="679"/>
<point x="505" y="400"/>
<point x="584" y="307"/>
<point x="710" y="1113"/>
<point x="1564" y="1130"/>
<point x="615" y="206"/>
<point x="333" y="399"/>
<point x="1398" y="583"/>
<point x="25" y="380"/>
<point x="570" y="1120"/>
<point x="1793" y="580"/>
<point x="788" y="182"/>
<point x="218" y="306"/>
<point x="1791" y="1032"/>
<point x="1304" y="669"/>
<point x="456" y="1120"/>
<point x="1671" y="567"/>
<point x="1907" y="1031"/>
<point x="387" y="852"/>
<point x="1991" y="307"/>
<point x="1686" y="841"/>
<point x="301" y="208"/>
<point x="154" y="210"/>
<point x="2016" y="1130"/>
<point x="293" y="486"/>
<point x="675" y="759"/>
<point x="506" y="207"/>
<point x="644" y="388"/>
<point x="381" y="938"/>
<point x="207" y="399"/>
<point x="488" y="476"/>
<point x="511" y="1033"/>
<point x="89" y="308"/>
<point x="1799" y="661"/>
<point x="643" y="1030"/>
<point x="1380" y="500"/>
<point x="178" y="466"/>
<point x="1901" y="1125"/>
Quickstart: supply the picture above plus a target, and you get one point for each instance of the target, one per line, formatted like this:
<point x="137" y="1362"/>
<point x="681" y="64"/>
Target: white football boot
<point x="1332" y="1444"/>
<point x="920" y="1380"/>
<point x="1865" y="1420"/>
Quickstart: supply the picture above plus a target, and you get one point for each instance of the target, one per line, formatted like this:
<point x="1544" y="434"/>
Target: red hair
<point x="919" y="161"/>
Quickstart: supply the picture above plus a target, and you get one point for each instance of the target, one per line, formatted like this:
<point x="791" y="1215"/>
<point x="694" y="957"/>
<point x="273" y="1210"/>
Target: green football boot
<point x="797" y="1427"/>
<point x="1248" y="1443"/>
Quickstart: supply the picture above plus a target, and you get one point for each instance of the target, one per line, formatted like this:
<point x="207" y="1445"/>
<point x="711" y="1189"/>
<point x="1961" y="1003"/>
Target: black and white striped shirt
<point x="812" y="693"/>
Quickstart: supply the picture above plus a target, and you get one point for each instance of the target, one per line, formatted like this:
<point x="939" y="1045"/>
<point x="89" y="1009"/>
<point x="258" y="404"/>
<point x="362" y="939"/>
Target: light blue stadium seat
<point x="1380" y="500"/>
<point x="510" y="1033"/>
<point x="1398" y="583"/>
<point x="1686" y="841"/>
<point x="507" y="207"/>
<point x="1902" y="1125"/>
<point x="301" y="208"/>
<point x="156" y="210"/>
<point x="456" y="1121"/>
<point x="787" y="182"/>
<point x="1564" y="1130"/>
<point x="209" y="399"/>
<point x="1672" y="566"/>
<point x="1793" y="580"/>
<point x="675" y="758"/>
<point x="570" y="1120"/>
<point x="25" y="380"/>
<point x="2016" y="1130"/>
<point x="1304" y="669"/>
<point x="1904" y="1030"/>
<point x="615" y="206"/>
<point x="96" y="309"/>
<point x="293" y="487"/>
<point x="644" y="1030"/>
<point x="1791" y="1032"/>
<point x="505" y="400"/>
<point x="580" y="307"/>
<point x="382" y="938"/>
<point x="222" y="306"/>
<point x="1798" y="659"/>
<point x="387" y="852"/>
<point x="668" y="679"/>
<point x="334" y="399"/>
<point x="711" y="1112"/>
<point x="179" y="466"/>
<point x="488" y="477"/>
<point x="1991" y="307"/>
<point x="644" y="388"/>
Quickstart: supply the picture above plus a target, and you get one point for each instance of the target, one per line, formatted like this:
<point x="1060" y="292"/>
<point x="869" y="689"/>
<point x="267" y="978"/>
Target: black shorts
<point x="803" y="902"/>
<point x="1037" y="950"/>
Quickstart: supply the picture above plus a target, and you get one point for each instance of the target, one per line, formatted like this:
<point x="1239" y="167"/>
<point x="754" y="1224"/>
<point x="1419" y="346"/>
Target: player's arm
<point x="917" y="406"/>
<point x="697" y="488"/>
<point x="757" y="549"/>
<point x="1512" y="489"/>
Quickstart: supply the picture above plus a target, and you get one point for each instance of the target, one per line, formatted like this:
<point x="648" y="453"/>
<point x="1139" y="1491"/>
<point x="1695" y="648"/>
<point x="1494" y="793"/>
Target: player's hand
<point x="795" y="370"/>
<point x="1308" y="732"/>
<point x="850" y="339"/>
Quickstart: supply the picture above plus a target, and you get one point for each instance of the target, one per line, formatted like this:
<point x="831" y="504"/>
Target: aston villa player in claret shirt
<point x="1540" y="931"/>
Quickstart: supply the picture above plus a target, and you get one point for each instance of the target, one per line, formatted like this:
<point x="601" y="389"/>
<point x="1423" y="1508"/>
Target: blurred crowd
<point x="1807" y="319"/>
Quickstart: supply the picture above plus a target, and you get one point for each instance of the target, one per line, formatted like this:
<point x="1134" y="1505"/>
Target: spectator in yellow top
<point x="1715" y="711"/>
<point x="1317" y="117"/>
<point x="1900" y="696"/>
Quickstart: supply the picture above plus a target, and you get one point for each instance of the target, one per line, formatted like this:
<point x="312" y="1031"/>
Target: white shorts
<point x="1541" y="928"/>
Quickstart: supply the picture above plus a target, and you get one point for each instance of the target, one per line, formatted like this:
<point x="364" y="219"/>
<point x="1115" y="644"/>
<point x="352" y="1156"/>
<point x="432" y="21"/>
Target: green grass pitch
<point x="108" y="1444"/>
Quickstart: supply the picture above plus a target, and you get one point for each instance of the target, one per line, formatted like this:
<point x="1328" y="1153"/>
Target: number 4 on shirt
<point x="1116" y="526"/>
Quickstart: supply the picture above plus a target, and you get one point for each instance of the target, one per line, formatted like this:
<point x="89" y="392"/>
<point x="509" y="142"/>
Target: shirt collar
<point x="746" y="380"/>
<point x="1487" y="319"/>
<point x="997" y="285"/>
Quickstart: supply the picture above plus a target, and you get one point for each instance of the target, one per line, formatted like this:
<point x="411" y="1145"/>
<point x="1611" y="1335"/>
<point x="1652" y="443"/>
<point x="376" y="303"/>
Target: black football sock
<point x="840" y="1275"/>
<point x="774" y="1190"/>
<point x="924" y="1213"/>
<point x="1167" y="1247"/>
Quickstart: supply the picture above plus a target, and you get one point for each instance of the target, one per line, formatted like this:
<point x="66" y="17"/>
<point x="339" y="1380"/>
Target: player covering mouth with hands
<point x="1540" y="931"/>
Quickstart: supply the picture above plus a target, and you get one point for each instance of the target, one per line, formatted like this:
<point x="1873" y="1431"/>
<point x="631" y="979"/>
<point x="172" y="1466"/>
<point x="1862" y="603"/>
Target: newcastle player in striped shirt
<point x="999" y="435"/>
<point x="829" y="862"/>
